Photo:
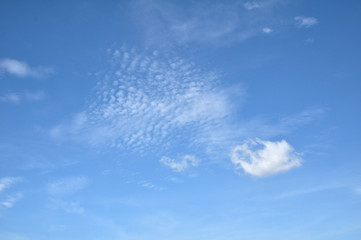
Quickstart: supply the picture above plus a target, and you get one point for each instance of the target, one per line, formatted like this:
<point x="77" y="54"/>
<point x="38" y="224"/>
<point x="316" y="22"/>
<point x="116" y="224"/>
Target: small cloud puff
<point x="263" y="158"/>
<point x="22" y="69"/>
<point x="267" y="30"/>
<point x="182" y="165"/>
<point x="307" y="22"/>
<point x="251" y="5"/>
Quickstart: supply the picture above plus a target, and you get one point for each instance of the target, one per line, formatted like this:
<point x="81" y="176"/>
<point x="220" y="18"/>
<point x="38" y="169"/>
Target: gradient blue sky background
<point x="131" y="120"/>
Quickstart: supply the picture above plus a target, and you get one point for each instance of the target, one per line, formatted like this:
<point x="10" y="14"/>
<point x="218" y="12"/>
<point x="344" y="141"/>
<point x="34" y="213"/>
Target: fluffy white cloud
<point x="22" y="69"/>
<point x="67" y="186"/>
<point x="307" y="22"/>
<point x="263" y="158"/>
<point x="181" y="165"/>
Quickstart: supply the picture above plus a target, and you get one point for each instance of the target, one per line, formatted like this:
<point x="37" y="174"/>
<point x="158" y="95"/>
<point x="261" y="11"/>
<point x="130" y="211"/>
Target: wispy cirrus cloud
<point x="180" y="165"/>
<point x="17" y="98"/>
<point x="263" y="158"/>
<point x="150" y="185"/>
<point x="67" y="206"/>
<point x="22" y="69"/>
<point x="9" y="199"/>
<point x="67" y="186"/>
<point x="7" y="182"/>
<point x="307" y="22"/>
<point x="167" y="23"/>
<point x="221" y="137"/>
<point x="11" y="98"/>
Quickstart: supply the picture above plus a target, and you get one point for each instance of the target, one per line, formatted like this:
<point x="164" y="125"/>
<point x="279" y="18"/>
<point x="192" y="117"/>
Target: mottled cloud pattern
<point x="181" y="165"/>
<point x="148" y="100"/>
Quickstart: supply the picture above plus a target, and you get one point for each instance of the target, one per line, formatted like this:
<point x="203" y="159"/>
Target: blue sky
<point x="180" y="120"/>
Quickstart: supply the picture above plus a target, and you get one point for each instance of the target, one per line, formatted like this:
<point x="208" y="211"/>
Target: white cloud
<point x="312" y="190"/>
<point x="181" y="165"/>
<point x="219" y="22"/>
<point x="252" y="5"/>
<point x="7" y="182"/>
<point x="148" y="184"/>
<point x="11" y="199"/>
<point x="148" y="101"/>
<point x="17" y="98"/>
<point x="263" y="158"/>
<point x="307" y="22"/>
<point x="267" y="30"/>
<point x="11" y="98"/>
<point x="66" y="186"/>
<point x="22" y="69"/>
<point x="67" y="206"/>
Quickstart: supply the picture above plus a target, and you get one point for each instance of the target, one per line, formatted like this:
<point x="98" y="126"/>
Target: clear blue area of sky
<point x="122" y="119"/>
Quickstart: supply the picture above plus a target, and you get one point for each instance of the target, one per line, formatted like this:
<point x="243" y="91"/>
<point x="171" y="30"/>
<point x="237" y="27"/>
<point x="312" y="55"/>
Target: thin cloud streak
<point x="7" y="182"/>
<point x="11" y="199"/>
<point x="219" y="23"/>
<point x="22" y="69"/>
<point x="67" y="186"/>
<point x="307" y="22"/>
<point x="28" y="96"/>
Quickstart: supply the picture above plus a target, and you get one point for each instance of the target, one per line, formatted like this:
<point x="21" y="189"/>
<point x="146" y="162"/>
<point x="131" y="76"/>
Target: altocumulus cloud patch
<point x="263" y="158"/>
<point x="181" y="165"/>
<point x="146" y="100"/>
